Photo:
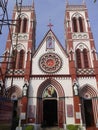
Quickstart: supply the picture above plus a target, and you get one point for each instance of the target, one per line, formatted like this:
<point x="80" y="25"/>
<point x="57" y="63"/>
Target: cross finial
<point x="50" y="25"/>
<point x="66" y="2"/>
<point x="83" y="1"/>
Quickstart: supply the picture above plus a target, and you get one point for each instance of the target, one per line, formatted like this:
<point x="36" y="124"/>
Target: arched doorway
<point x="14" y="93"/>
<point x="50" y="105"/>
<point x="88" y="112"/>
<point x="89" y="105"/>
<point x="50" y="114"/>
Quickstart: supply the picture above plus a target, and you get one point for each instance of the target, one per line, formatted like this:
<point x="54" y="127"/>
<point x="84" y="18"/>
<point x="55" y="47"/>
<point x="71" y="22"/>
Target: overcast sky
<point x="54" y="10"/>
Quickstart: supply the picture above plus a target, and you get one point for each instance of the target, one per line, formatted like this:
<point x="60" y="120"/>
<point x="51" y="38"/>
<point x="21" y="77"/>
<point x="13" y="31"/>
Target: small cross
<point x="49" y="25"/>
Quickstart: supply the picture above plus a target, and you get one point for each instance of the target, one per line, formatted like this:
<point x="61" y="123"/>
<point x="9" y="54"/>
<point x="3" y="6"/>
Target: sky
<point x="54" y="10"/>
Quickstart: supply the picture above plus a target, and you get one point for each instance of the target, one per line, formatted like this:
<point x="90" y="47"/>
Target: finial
<point x="83" y="1"/>
<point x="33" y="4"/>
<point x="66" y="2"/>
<point x="50" y="25"/>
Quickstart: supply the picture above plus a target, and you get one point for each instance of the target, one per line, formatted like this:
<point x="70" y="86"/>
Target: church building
<point x="51" y="85"/>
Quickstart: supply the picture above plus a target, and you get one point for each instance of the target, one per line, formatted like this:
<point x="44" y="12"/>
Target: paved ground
<point x="51" y="128"/>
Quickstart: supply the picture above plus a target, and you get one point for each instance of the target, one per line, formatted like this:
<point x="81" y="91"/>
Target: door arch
<point x="14" y="93"/>
<point x="89" y="103"/>
<point x="50" y="106"/>
<point x="60" y="102"/>
<point x="50" y="114"/>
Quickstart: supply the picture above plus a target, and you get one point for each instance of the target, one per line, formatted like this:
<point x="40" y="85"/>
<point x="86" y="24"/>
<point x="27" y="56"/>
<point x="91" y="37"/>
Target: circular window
<point x="50" y="62"/>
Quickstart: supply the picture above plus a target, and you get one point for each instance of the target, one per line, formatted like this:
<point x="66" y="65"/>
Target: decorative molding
<point x="16" y="71"/>
<point x="80" y="36"/>
<point x="87" y="71"/>
<point x="21" y="36"/>
<point x="75" y="7"/>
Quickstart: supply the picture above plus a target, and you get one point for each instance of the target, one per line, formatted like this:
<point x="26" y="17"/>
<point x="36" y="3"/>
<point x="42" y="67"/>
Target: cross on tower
<point x="50" y="25"/>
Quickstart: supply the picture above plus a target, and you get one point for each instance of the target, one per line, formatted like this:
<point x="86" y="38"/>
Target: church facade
<point x="51" y="85"/>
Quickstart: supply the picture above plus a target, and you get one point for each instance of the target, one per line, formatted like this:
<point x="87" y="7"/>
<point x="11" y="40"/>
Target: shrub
<point x="29" y="127"/>
<point x="72" y="127"/>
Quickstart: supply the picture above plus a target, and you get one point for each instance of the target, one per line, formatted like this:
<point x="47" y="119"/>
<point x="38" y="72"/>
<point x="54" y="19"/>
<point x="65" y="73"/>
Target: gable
<point x="50" y="57"/>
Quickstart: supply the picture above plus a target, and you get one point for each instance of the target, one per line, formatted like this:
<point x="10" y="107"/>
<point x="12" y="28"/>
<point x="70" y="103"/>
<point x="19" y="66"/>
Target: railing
<point x="80" y="36"/>
<point x="21" y="36"/>
<point x="16" y="71"/>
<point x="85" y="71"/>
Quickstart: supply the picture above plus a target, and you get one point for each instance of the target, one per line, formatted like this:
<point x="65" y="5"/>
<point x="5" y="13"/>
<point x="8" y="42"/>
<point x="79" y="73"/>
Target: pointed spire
<point x="83" y="1"/>
<point x="33" y="4"/>
<point x="33" y="8"/>
<point x="66" y="2"/>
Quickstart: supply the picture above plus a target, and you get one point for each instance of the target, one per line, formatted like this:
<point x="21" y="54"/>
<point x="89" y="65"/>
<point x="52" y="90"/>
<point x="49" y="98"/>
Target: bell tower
<point x="80" y="45"/>
<point x="79" y="38"/>
<point x="20" y="46"/>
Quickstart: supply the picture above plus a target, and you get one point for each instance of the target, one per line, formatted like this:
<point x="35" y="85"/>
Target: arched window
<point x="24" y="26"/>
<point x="85" y="58"/>
<point x="78" y="58"/>
<point x="78" y="23"/>
<point x="18" y="25"/>
<point x="81" y="24"/>
<point x="21" y="25"/>
<point x="20" y="59"/>
<point x="13" y="59"/>
<point x="74" y="22"/>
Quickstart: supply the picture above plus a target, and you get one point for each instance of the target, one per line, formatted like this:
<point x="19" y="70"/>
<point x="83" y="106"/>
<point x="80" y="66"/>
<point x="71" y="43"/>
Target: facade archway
<point x="15" y="94"/>
<point x="59" y="102"/>
<point x="89" y="106"/>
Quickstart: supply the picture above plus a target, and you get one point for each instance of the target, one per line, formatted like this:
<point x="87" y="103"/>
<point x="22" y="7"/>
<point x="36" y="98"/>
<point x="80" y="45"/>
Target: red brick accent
<point x="76" y="108"/>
